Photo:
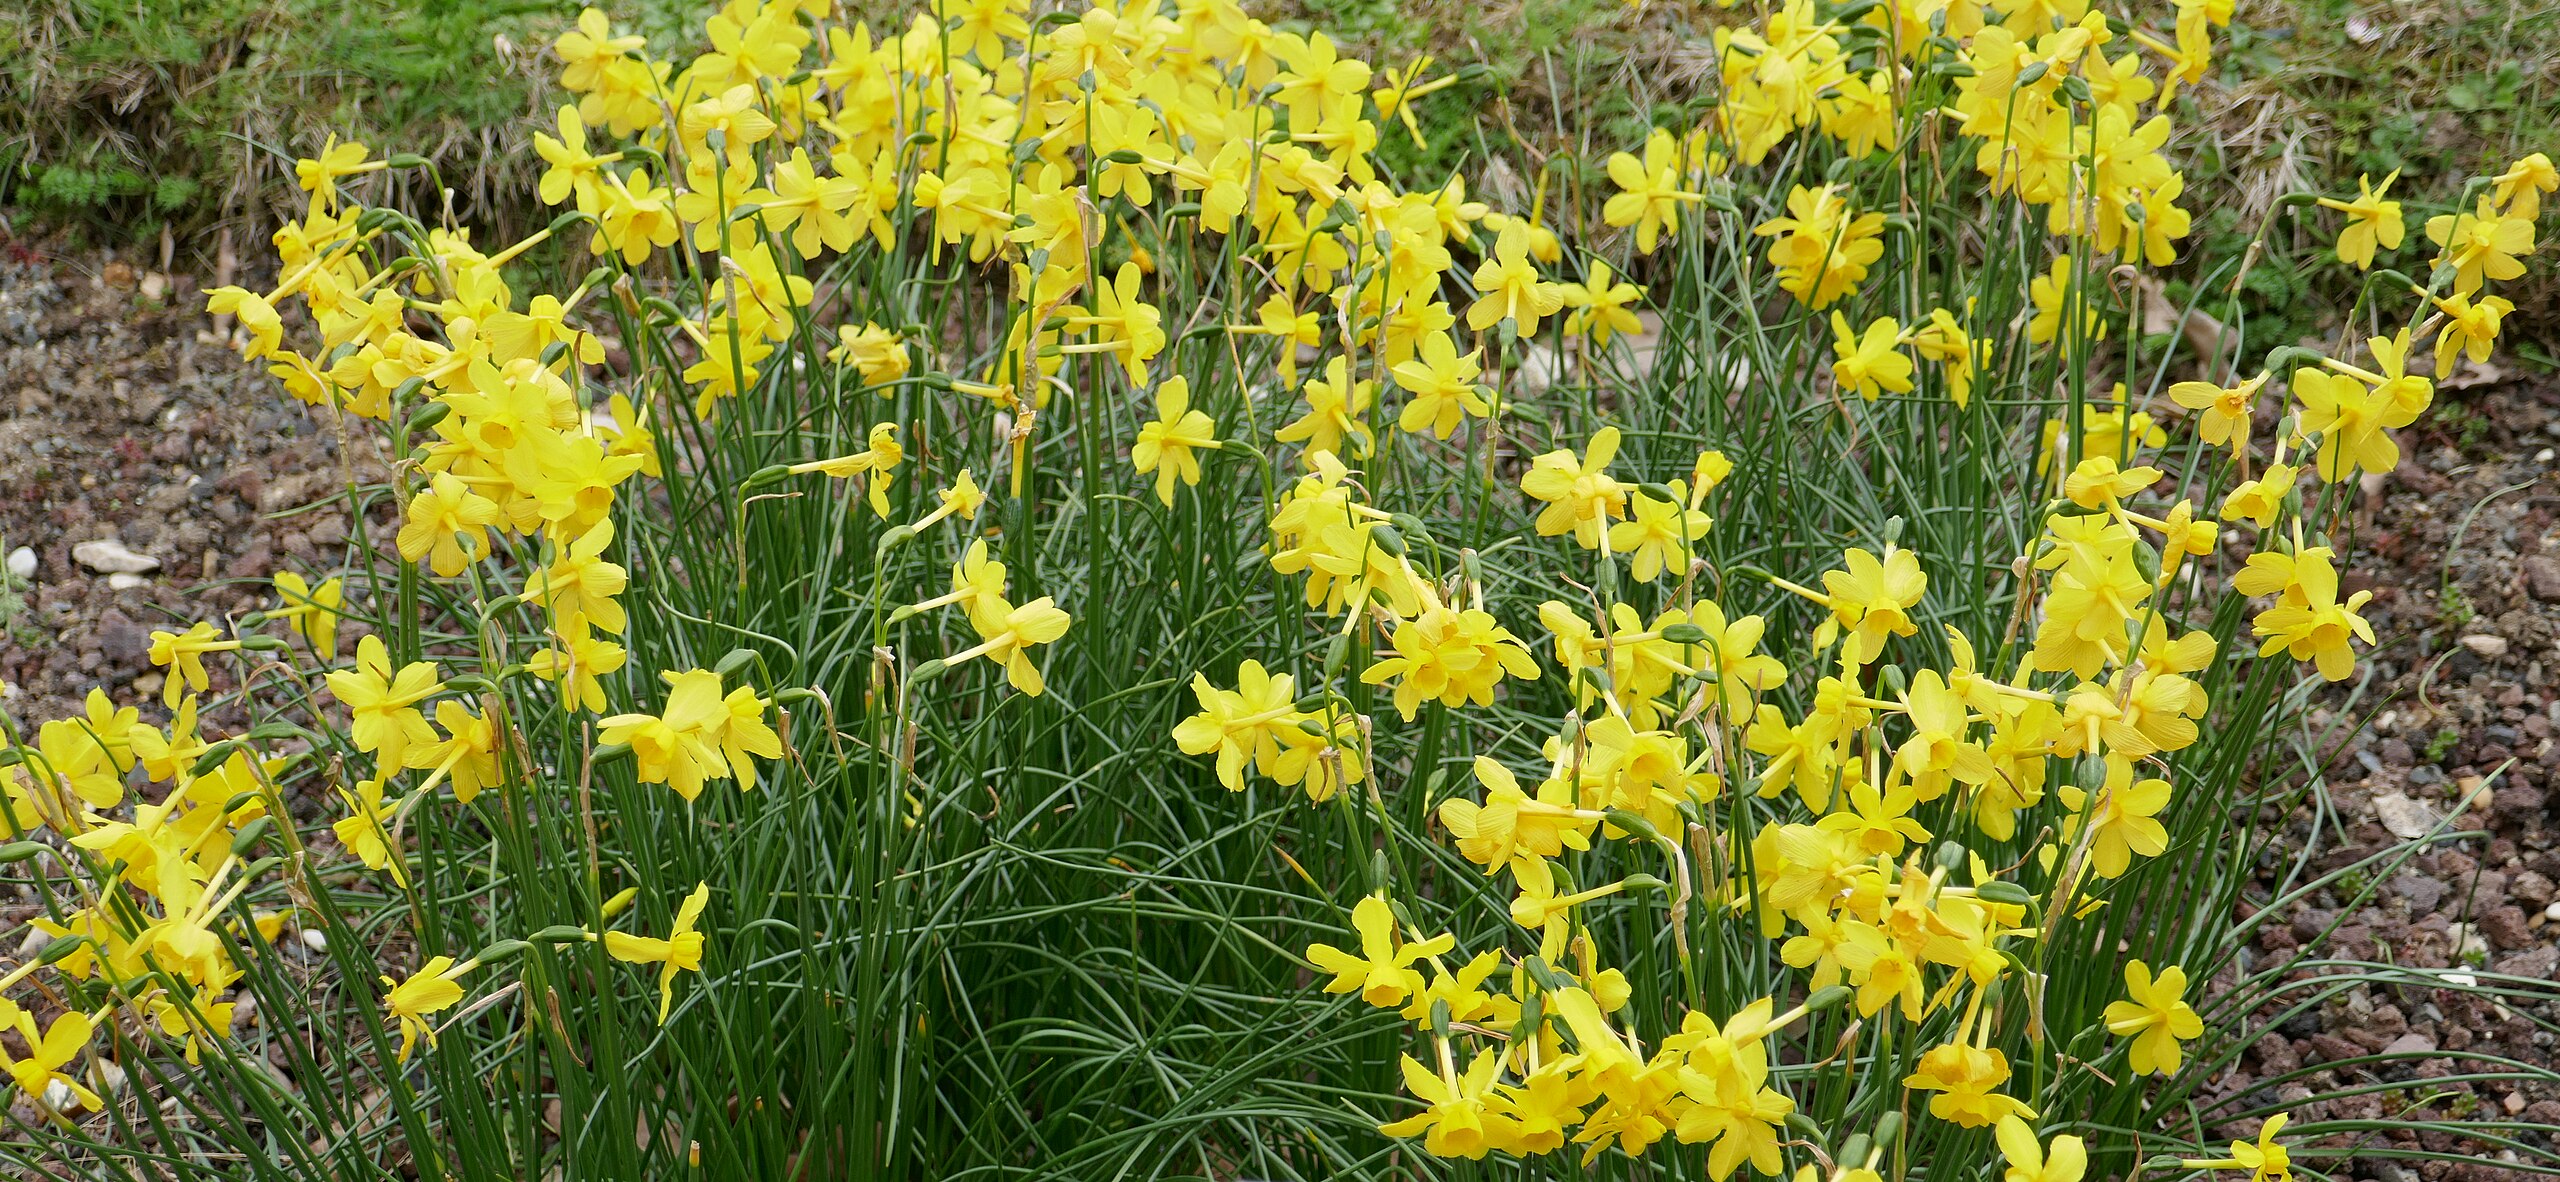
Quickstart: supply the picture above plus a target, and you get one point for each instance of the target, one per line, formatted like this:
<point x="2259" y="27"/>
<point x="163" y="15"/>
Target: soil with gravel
<point x="2456" y="731"/>
<point x="128" y="418"/>
<point x="124" y="418"/>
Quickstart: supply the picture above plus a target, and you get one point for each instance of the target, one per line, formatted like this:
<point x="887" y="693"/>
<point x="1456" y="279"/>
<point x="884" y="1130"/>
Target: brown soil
<point x="124" y="416"/>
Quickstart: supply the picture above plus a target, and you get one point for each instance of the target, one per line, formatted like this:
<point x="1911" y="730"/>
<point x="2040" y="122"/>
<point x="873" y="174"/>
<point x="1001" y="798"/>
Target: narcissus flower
<point x="2155" y="1016"/>
<point x="1382" y="973"/>
<point x="312" y="612"/>
<point x="1337" y="413"/>
<point x="447" y="525"/>
<point x="876" y="353"/>
<point x="1657" y="535"/>
<point x="1508" y="286"/>
<point x="1823" y="247"/>
<point x="1580" y="495"/>
<point x="383" y="704"/>
<point x="1443" y="385"/>
<point x="2228" y="410"/>
<point x="1460" y="1120"/>
<point x="2311" y="624"/>
<point x="1870" y="362"/>
<point x="42" y="1069"/>
<point x="2371" y="222"/>
<point x="182" y="654"/>
<point x="1451" y="657"/>
<point x="1166" y="446"/>
<point x="1650" y="191"/>
<point x="1965" y="1078"/>
<point x="1602" y="306"/>
<point x="2265" y="1159"/>
<point x="2470" y="328"/>
<point x="432" y="989"/>
<point x="2029" y="1161"/>
<point x="2520" y="188"/>
<point x="2484" y="245"/>
<point x="2121" y="818"/>
<point x="680" y="951"/>
<point x="1007" y="634"/>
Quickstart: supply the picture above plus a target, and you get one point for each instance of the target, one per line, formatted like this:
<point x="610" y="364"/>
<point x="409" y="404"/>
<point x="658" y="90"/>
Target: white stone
<point x="2486" y="644"/>
<point x="315" y="939"/>
<point x="2405" y="818"/>
<point x="108" y="556"/>
<point x="22" y="562"/>
<point x="121" y="581"/>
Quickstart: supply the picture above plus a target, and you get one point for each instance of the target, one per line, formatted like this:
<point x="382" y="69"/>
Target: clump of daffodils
<point x="1638" y="729"/>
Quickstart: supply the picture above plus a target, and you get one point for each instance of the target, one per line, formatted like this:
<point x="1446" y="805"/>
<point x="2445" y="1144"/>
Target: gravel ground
<point x="128" y="419"/>
<point x="123" y="418"/>
<point x="2457" y="721"/>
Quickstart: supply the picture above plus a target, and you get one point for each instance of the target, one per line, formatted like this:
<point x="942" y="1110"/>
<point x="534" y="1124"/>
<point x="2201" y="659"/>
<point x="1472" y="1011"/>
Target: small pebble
<point x="2552" y="912"/>
<point x="22" y="562"/>
<point x="108" y="556"/>
<point x="120" y="581"/>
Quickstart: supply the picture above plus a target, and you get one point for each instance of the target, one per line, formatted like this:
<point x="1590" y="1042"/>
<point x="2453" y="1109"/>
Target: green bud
<point x="428" y="416"/>
<point x="503" y="950"/>
<point x="1388" y="538"/>
<point x="1828" y="998"/>
<point x="19" y="851"/>
<point x="1997" y="891"/>
<point x="735" y="660"/>
<point x="1888" y="1128"/>
<point x="1951" y="856"/>
<point x="560" y="933"/>
<point x="1685" y="634"/>
<point x="213" y="757"/>
<point x="250" y="835"/>
<point x="62" y="949"/>
<point x="1634" y="823"/>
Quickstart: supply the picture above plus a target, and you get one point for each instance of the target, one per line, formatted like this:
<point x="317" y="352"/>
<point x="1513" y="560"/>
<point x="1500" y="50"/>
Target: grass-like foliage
<point x="1036" y="614"/>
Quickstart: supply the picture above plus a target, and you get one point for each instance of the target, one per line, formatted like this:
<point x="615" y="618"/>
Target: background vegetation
<point x="121" y="120"/>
